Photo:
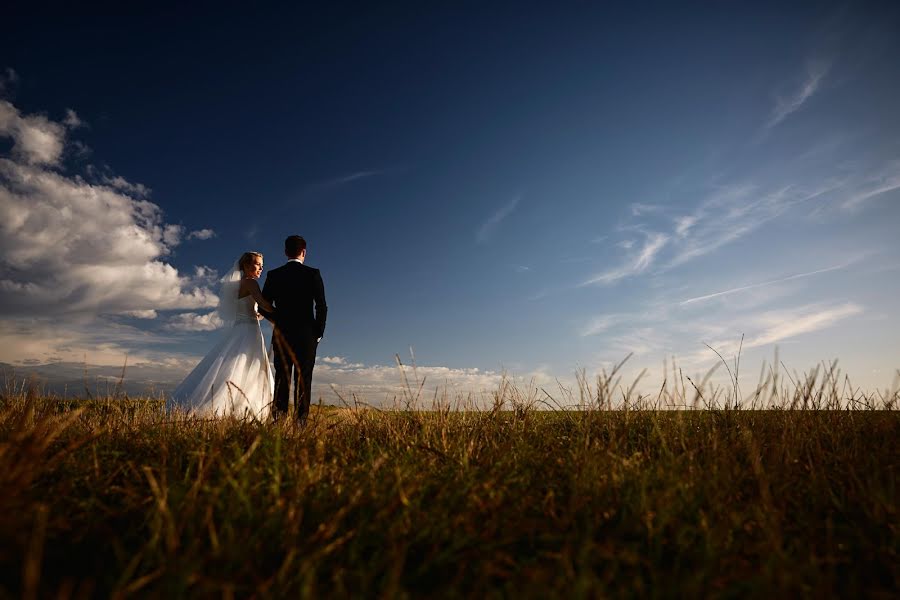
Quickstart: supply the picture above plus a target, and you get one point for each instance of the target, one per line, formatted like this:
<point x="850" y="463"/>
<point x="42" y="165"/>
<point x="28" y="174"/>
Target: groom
<point x="293" y="289"/>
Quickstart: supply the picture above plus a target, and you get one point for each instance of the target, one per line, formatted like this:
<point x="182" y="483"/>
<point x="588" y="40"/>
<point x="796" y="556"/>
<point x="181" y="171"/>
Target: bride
<point x="235" y="377"/>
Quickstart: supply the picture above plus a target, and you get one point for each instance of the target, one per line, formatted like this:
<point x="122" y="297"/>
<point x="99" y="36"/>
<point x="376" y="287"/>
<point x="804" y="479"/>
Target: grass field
<point x="114" y="497"/>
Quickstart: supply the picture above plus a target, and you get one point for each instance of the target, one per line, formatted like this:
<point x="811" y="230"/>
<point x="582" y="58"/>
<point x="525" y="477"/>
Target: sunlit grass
<point x="112" y="496"/>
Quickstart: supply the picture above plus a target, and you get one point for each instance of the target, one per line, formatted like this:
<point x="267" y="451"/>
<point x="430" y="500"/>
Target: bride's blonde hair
<point x="247" y="258"/>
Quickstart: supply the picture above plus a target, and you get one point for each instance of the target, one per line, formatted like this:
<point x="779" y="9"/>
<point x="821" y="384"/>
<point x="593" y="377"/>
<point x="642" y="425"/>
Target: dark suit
<point x="295" y="289"/>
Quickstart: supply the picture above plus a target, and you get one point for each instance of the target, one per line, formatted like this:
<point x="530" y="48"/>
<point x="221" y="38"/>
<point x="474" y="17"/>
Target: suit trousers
<point x="295" y="357"/>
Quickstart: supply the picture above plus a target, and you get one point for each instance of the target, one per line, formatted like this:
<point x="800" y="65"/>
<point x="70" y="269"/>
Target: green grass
<point x="114" y="497"/>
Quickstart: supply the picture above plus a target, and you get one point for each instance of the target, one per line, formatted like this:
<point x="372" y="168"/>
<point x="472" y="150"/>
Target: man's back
<point x="296" y="289"/>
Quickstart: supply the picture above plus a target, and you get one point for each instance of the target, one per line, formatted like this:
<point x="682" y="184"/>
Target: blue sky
<point x="532" y="190"/>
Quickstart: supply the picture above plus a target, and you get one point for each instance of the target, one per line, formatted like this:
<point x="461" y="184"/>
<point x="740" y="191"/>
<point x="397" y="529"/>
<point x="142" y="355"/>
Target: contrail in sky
<point x="757" y="285"/>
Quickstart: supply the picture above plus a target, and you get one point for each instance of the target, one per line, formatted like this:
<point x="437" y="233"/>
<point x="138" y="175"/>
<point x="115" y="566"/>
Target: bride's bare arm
<point x="251" y="287"/>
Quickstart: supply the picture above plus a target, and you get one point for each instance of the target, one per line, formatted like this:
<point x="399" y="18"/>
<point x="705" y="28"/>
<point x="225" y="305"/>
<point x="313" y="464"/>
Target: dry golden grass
<point x="114" y="497"/>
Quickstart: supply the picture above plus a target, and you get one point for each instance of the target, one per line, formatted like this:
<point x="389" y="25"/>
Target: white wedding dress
<point x="235" y="377"/>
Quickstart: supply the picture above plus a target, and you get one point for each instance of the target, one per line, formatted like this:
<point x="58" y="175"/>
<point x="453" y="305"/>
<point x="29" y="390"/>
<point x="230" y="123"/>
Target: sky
<point x="536" y="191"/>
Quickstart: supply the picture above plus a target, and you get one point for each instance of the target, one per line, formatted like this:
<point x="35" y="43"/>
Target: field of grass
<point x="114" y="497"/>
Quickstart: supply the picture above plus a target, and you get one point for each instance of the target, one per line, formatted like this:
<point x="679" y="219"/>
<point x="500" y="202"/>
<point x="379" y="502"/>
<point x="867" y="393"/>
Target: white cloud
<point x="72" y="120"/>
<point x="384" y="384"/>
<point x="36" y="139"/>
<point x="684" y="224"/>
<point x="72" y="251"/>
<point x="68" y="246"/>
<point x="780" y="325"/>
<point x="77" y="340"/>
<point x="191" y="321"/>
<point x="647" y="313"/>
<point x="141" y="314"/>
<point x="201" y="234"/>
<point x="784" y="106"/>
<point x="171" y="235"/>
<point x="725" y="216"/>
<point x="123" y="185"/>
<point x="731" y="212"/>
<point x="774" y="326"/>
<point x="205" y="274"/>
<point x="335" y="377"/>
<point x="637" y="263"/>
<point x="332" y="360"/>
<point x="488" y="227"/>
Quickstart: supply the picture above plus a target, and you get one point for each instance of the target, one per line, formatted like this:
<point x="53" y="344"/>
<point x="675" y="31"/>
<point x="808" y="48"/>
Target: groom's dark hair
<point x="294" y="245"/>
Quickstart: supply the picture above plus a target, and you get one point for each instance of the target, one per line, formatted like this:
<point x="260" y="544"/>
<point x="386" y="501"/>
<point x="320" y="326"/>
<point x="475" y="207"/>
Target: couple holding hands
<point x="236" y="377"/>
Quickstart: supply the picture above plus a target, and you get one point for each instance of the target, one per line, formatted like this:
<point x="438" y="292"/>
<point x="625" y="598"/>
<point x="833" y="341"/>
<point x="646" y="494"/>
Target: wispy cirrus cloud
<point x="728" y="214"/>
<point x="326" y="185"/>
<point x="725" y="215"/>
<point x="350" y="178"/>
<point x="657" y="333"/>
<point x="601" y="324"/>
<point x="886" y="180"/>
<point x="637" y="341"/>
<point x="675" y="235"/>
<point x="683" y="225"/>
<point x="780" y="325"/>
<point x="656" y="329"/>
<point x="723" y="331"/>
<point x="719" y="218"/>
<point x="816" y="70"/>
<point x="639" y="209"/>
<point x="312" y="193"/>
<point x="630" y="333"/>
<point x="490" y="225"/>
<point x="771" y="327"/>
<point x="638" y="261"/>
<point x="698" y="299"/>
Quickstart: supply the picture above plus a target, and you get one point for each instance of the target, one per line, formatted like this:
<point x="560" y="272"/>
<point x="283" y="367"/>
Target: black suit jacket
<point x="296" y="290"/>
